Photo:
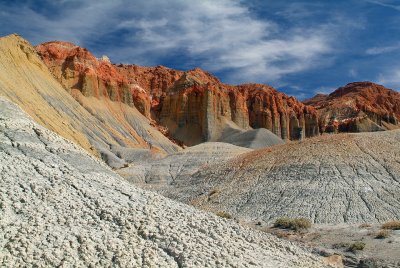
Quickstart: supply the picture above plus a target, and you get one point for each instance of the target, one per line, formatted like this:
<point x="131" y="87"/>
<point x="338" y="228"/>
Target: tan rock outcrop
<point x="76" y="68"/>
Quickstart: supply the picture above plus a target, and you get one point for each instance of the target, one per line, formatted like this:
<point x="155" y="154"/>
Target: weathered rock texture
<point x="154" y="80"/>
<point x="77" y="69"/>
<point x="198" y="108"/>
<point x="358" y="107"/>
<point x="343" y="178"/>
<point x="193" y="106"/>
<point x="112" y="129"/>
<point x="60" y="206"/>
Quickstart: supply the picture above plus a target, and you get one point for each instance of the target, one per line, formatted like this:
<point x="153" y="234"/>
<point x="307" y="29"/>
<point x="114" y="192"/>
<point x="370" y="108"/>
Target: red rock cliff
<point x="358" y="106"/>
<point x="154" y="80"/>
<point x="198" y="107"/>
<point x="76" y="68"/>
<point x="194" y="106"/>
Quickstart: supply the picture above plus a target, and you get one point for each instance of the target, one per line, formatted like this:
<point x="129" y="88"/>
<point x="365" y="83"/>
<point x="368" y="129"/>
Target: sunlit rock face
<point x="198" y="107"/>
<point x="358" y="107"/>
<point x="193" y="106"/>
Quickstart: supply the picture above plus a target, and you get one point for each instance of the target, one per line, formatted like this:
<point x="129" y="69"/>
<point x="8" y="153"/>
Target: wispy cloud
<point x="216" y="35"/>
<point x="74" y="23"/>
<point x="353" y="73"/>
<point x="299" y="10"/>
<point x="224" y="35"/>
<point x="382" y="50"/>
<point x="385" y="4"/>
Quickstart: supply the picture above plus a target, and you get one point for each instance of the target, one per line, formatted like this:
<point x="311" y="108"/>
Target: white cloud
<point x="74" y="25"/>
<point x="299" y="10"/>
<point x="223" y="35"/>
<point x="381" y="50"/>
<point x="220" y="36"/>
<point x="353" y="73"/>
<point x="384" y="4"/>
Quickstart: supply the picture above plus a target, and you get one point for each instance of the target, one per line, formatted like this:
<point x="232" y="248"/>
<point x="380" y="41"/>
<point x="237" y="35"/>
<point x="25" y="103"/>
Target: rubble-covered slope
<point x="59" y="206"/>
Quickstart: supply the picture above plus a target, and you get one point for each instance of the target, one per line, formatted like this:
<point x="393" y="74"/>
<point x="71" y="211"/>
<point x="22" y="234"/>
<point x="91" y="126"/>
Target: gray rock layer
<point x="252" y="138"/>
<point x="61" y="207"/>
<point x="161" y="174"/>
<point x="346" y="178"/>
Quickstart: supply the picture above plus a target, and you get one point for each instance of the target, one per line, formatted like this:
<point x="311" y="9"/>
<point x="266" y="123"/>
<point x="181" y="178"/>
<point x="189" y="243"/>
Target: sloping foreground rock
<point x="344" y="178"/>
<point x="60" y="206"/>
<point x="113" y="130"/>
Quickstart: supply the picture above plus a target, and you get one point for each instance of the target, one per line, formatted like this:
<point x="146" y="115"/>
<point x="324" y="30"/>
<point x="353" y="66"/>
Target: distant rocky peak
<point x="359" y="107"/>
<point x="358" y="87"/>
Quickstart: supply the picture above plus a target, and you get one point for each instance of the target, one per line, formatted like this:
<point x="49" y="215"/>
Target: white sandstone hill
<point x="346" y="178"/>
<point x="60" y="206"/>
<point x="343" y="178"/>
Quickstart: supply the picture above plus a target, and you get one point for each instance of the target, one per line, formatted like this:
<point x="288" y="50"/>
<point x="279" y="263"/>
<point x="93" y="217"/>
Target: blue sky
<point x="299" y="47"/>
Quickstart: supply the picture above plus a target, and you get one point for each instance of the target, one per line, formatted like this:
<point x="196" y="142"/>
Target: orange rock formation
<point x="357" y="107"/>
<point x="194" y="106"/>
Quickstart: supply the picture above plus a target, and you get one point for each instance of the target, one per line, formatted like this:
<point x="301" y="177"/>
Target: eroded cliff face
<point x="198" y="107"/>
<point x="191" y="107"/>
<point x="358" y="107"/>
<point x="283" y="115"/>
<point x="77" y="69"/>
<point x="115" y="102"/>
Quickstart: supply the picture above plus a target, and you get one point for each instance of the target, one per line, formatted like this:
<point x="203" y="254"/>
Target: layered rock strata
<point x="113" y="130"/>
<point x="193" y="106"/>
<point x="343" y="178"/>
<point x="198" y="108"/>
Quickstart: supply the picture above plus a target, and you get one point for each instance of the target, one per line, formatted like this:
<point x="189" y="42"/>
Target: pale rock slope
<point x="343" y="178"/>
<point x="116" y="131"/>
<point x="161" y="174"/>
<point x="60" y="206"/>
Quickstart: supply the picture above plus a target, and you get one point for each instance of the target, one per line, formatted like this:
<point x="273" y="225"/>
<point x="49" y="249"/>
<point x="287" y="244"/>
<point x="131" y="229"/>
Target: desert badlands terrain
<point x="117" y="165"/>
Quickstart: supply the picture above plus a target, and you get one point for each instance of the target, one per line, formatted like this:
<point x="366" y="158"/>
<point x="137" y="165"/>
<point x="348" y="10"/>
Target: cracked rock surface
<point x="60" y="206"/>
<point x="344" y="178"/>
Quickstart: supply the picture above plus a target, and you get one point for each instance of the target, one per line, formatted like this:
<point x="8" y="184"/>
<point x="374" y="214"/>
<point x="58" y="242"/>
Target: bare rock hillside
<point x="344" y="178"/>
<point x="60" y="206"/>
<point x="192" y="107"/>
<point x="117" y="132"/>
